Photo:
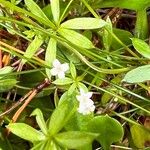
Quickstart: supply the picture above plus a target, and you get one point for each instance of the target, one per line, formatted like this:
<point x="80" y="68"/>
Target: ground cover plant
<point x="74" y="74"/>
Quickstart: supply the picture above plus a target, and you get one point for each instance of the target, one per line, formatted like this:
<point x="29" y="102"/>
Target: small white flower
<point x="59" y="69"/>
<point x="86" y="108"/>
<point x="84" y="96"/>
<point x="86" y="105"/>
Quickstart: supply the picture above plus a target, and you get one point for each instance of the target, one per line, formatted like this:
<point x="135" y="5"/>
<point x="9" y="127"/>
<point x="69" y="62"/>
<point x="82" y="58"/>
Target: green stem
<point x="91" y="9"/>
<point x="141" y="27"/>
<point x="119" y="97"/>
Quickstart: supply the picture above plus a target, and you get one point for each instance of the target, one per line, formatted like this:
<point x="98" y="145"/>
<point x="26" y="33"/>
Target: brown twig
<point x="28" y="97"/>
<point x="1" y="59"/>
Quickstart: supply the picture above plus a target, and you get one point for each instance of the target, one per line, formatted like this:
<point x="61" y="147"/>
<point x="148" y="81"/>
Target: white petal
<point x="86" y="108"/>
<point x="54" y="71"/>
<point x="61" y="75"/>
<point x="56" y="63"/>
<point x="89" y="94"/>
<point x="65" y="67"/>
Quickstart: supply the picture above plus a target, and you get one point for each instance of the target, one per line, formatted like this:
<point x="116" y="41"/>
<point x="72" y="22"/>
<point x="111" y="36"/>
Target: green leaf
<point x="107" y="38"/>
<point x="78" y="122"/>
<point x="73" y="70"/>
<point x="123" y="35"/>
<point x="75" y="139"/>
<point x="26" y="132"/>
<point x="55" y="10"/>
<point x="137" y="75"/>
<point x="36" y="10"/>
<point x="61" y="115"/>
<point x="109" y="129"/>
<point x="84" y="23"/>
<point x="72" y="88"/>
<point x="50" y="54"/>
<point x="140" y="136"/>
<point x="82" y="86"/>
<point x="76" y="38"/>
<point x="5" y="70"/>
<point x="142" y="47"/>
<point x="128" y="4"/>
<point x="63" y="81"/>
<point x="32" y="48"/>
<point x="7" y="84"/>
<point x="40" y="120"/>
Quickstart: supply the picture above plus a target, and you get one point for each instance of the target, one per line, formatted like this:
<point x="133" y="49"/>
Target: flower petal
<point x="56" y="63"/>
<point x="89" y="94"/>
<point x="61" y="75"/>
<point x="65" y="67"/>
<point x="54" y="71"/>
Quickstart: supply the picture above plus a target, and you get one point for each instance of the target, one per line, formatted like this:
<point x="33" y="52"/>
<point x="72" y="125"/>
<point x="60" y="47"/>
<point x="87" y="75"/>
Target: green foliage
<point x="75" y="139"/>
<point x="140" y="136"/>
<point x="99" y="52"/>
<point x="83" y="23"/>
<point x="142" y="47"/>
<point x="137" y="75"/>
<point x="107" y="127"/>
<point x="26" y="132"/>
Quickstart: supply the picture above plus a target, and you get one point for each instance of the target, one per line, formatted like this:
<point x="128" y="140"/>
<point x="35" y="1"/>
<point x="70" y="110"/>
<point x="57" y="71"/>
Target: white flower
<point x="86" y="108"/>
<point x="59" y="69"/>
<point x="86" y="105"/>
<point x="84" y="96"/>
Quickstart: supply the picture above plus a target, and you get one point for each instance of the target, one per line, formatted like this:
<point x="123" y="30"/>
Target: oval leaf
<point x="84" y="23"/>
<point x="76" y="38"/>
<point x="26" y="132"/>
<point x="142" y="47"/>
<point x="107" y="127"/>
<point x="137" y="75"/>
<point x="75" y="139"/>
<point x="140" y="136"/>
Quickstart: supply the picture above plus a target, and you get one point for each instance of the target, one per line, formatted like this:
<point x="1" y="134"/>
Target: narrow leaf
<point x="63" y="81"/>
<point x="36" y="10"/>
<point x="26" y="132"/>
<point x="137" y="75"/>
<point x="142" y="47"/>
<point x="73" y="70"/>
<point x="55" y="9"/>
<point x="40" y="120"/>
<point x="75" y="139"/>
<point x="84" y="23"/>
<point x="76" y="38"/>
<point x="50" y="55"/>
<point x="32" y="48"/>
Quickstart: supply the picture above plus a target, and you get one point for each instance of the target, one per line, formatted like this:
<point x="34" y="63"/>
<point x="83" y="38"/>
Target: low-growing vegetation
<point x="74" y="74"/>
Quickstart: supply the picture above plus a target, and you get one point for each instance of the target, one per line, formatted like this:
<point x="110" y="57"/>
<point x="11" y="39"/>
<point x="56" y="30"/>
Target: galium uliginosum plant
<point x="85" y="75"/>
<point x="63" y="130"/>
